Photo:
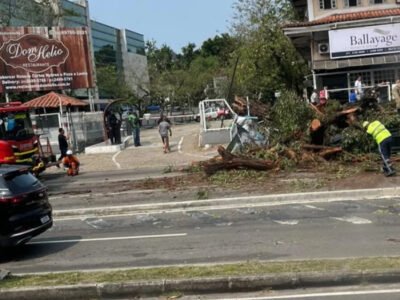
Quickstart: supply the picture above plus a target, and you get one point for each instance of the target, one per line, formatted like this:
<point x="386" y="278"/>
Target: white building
<point x="342" y="39"/>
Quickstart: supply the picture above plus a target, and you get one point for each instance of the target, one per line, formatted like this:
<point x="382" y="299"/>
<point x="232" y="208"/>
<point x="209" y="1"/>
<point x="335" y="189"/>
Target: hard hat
<point x="365" y="124"/>
<point x="69" y="152"/>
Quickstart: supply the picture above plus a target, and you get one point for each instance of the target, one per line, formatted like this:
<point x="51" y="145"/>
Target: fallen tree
<point x="230" y="162"/>
<point x="304" y="134"/>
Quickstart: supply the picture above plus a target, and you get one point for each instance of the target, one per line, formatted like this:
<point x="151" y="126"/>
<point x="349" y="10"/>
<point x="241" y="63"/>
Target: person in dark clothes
<point x="112" y="127"/>
<point x="62" y="143"/>
<point x="117" y="132"/>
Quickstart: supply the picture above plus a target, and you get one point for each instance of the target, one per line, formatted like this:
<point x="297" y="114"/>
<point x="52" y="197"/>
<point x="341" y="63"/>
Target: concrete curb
<point x="104" y="148"/>
<point x="226" y="203"/>
<point x="202" y="285"/>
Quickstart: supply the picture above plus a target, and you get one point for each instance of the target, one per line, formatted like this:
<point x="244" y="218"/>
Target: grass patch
<point x="301" y="185"/>
<point x="168" y="169"/>
<point x="238" y="269"/>
<point x="202" y="194"/>
<point x="235" y="177"/>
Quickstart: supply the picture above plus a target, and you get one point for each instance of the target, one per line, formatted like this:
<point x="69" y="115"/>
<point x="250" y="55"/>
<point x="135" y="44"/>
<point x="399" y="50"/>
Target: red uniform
<point x="72" y="163"/>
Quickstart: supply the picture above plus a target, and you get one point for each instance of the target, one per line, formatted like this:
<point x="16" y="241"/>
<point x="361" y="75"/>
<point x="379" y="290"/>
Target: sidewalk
<point x="184" y="150"/>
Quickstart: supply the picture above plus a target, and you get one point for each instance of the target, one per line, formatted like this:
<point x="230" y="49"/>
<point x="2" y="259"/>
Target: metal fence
<point x="82" y="128"/>
<point x="384" y="90"/>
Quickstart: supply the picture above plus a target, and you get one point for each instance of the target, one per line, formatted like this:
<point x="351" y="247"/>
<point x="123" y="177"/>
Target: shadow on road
<point x="33" y="251"/>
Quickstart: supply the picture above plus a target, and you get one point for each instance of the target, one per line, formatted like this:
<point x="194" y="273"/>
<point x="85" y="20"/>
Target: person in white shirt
<point x="358" y="88"/>
<point x="314" y="97"/>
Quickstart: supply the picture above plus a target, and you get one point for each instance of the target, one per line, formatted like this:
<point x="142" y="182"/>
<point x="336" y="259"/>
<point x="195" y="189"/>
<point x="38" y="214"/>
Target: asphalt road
<point x="285" y="231"/>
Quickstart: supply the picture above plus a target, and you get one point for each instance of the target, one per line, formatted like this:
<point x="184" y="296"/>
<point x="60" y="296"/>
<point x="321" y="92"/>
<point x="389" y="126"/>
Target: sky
<point x="171" y="22"/>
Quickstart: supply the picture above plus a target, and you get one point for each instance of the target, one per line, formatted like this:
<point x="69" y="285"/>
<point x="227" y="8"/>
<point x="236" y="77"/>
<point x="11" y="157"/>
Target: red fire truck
<point x="18" y="142"/>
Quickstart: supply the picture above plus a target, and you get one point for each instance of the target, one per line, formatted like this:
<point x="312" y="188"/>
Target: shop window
<point x="365" y="78"/>
<point x="327" y="4"/>
<point x="352" y="3"/>
<point x="383" y="76"/>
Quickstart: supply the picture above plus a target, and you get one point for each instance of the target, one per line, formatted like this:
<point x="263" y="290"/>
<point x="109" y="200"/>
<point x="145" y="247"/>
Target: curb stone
<point x="225" y="203"/>
<point x="202" y="285"/>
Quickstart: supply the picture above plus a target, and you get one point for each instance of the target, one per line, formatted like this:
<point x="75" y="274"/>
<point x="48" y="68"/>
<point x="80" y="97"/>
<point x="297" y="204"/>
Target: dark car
<point x="25" y="210"/>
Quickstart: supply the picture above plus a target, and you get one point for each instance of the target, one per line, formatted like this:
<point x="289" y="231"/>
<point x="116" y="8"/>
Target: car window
<point x="22" y="183"/>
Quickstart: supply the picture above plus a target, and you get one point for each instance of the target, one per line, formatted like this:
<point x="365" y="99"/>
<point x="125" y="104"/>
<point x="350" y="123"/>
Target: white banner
<point x="364" y="41"/>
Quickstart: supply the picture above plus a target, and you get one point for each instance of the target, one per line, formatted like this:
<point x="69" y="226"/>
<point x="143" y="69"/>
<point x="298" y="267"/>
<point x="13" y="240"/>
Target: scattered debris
<point x="230" y="161"/>
<point x="4" y="274"/>
<point x="257" y="108"/>
<point x="301" y="134"/>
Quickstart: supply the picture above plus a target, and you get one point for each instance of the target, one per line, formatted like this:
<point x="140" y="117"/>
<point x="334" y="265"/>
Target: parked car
<point x="210" y="113"/>
<point x="25" y="210"/>
<point x="153" y="108"/>
<point x="223" y="112"/>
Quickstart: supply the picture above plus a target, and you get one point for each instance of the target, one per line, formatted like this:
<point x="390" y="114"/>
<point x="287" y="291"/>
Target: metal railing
<point x="365" y="88"/>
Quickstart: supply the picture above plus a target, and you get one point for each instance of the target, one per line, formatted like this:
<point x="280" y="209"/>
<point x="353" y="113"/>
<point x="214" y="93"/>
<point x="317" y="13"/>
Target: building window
<point x="383" y="76"/>
<point x="376" y="1"/>
<point x="352" y="3"/>
<point x="365" y="78"/>
<point x="327" y="4"/>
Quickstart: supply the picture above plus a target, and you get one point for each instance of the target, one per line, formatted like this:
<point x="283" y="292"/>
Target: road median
<point x="191" y="279"/>
<point x="231" y="203"/>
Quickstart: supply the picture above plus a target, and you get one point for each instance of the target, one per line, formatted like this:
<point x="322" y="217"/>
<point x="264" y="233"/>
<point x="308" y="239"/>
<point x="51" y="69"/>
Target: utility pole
<point x="94" y="76"/>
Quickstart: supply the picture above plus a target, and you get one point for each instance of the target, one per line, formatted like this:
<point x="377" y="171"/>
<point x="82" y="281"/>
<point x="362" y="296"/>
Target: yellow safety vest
<point x="378" y="131"/>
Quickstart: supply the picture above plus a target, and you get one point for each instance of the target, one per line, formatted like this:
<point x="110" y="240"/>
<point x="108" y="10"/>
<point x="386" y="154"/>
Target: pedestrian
<point x="117" y="131"/>
<point x="112" y="127"/>
<point x="162" y="117"/>
<point x="163" y="128"/>
<point x="134" y="122"/>
<point x="62" y="143"/>
<point x="383" y="138"/>
<point x="396" y="95"/>
<point x="323" y="96"/>
<point x="352" y="97"/>
<point x="72" y="164"/>
<point x="358" y="87"/>
<point x="314" y="97"/>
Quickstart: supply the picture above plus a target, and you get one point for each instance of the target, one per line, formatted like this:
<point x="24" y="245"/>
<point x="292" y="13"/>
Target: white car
<point x="210" y="114"/>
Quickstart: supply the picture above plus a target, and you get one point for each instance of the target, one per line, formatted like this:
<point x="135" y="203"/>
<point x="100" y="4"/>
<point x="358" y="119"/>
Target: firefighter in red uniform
<point x="72" y="163"/>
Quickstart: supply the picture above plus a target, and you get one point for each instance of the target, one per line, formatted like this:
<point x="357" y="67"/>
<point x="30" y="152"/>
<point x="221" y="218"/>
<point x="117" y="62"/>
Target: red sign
<point x="33" y="53"/>
<point x="35" y="58"/>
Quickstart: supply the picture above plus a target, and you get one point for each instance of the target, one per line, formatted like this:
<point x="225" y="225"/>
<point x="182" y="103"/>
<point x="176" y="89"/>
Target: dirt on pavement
<point x="327" y="178"/>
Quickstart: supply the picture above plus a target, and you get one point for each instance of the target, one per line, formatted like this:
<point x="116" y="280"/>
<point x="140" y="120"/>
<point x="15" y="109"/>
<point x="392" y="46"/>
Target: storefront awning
<point x="54" y="100"/>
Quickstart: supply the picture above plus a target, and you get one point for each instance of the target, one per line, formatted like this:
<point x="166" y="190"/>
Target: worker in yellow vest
<point x="383" y="138"/>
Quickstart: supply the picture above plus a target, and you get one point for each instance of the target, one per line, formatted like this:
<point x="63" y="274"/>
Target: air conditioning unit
<point x="323" y="48"/>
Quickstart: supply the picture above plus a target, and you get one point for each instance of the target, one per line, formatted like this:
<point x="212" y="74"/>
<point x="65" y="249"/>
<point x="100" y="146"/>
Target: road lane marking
<point x="354" y="220"/>
<point x="97" y="223"/>
<point x="316" y="295"/>
<point x="287" y="222"/>
<point x="180" y="145"/>
<point x="114" y="159"/>
<point x="314" y="207"/>
<point x="137" y="237"/>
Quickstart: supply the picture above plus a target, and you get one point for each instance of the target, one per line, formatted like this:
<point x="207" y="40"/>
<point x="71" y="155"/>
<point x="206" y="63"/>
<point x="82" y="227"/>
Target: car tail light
<point x="11" y="200"/>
